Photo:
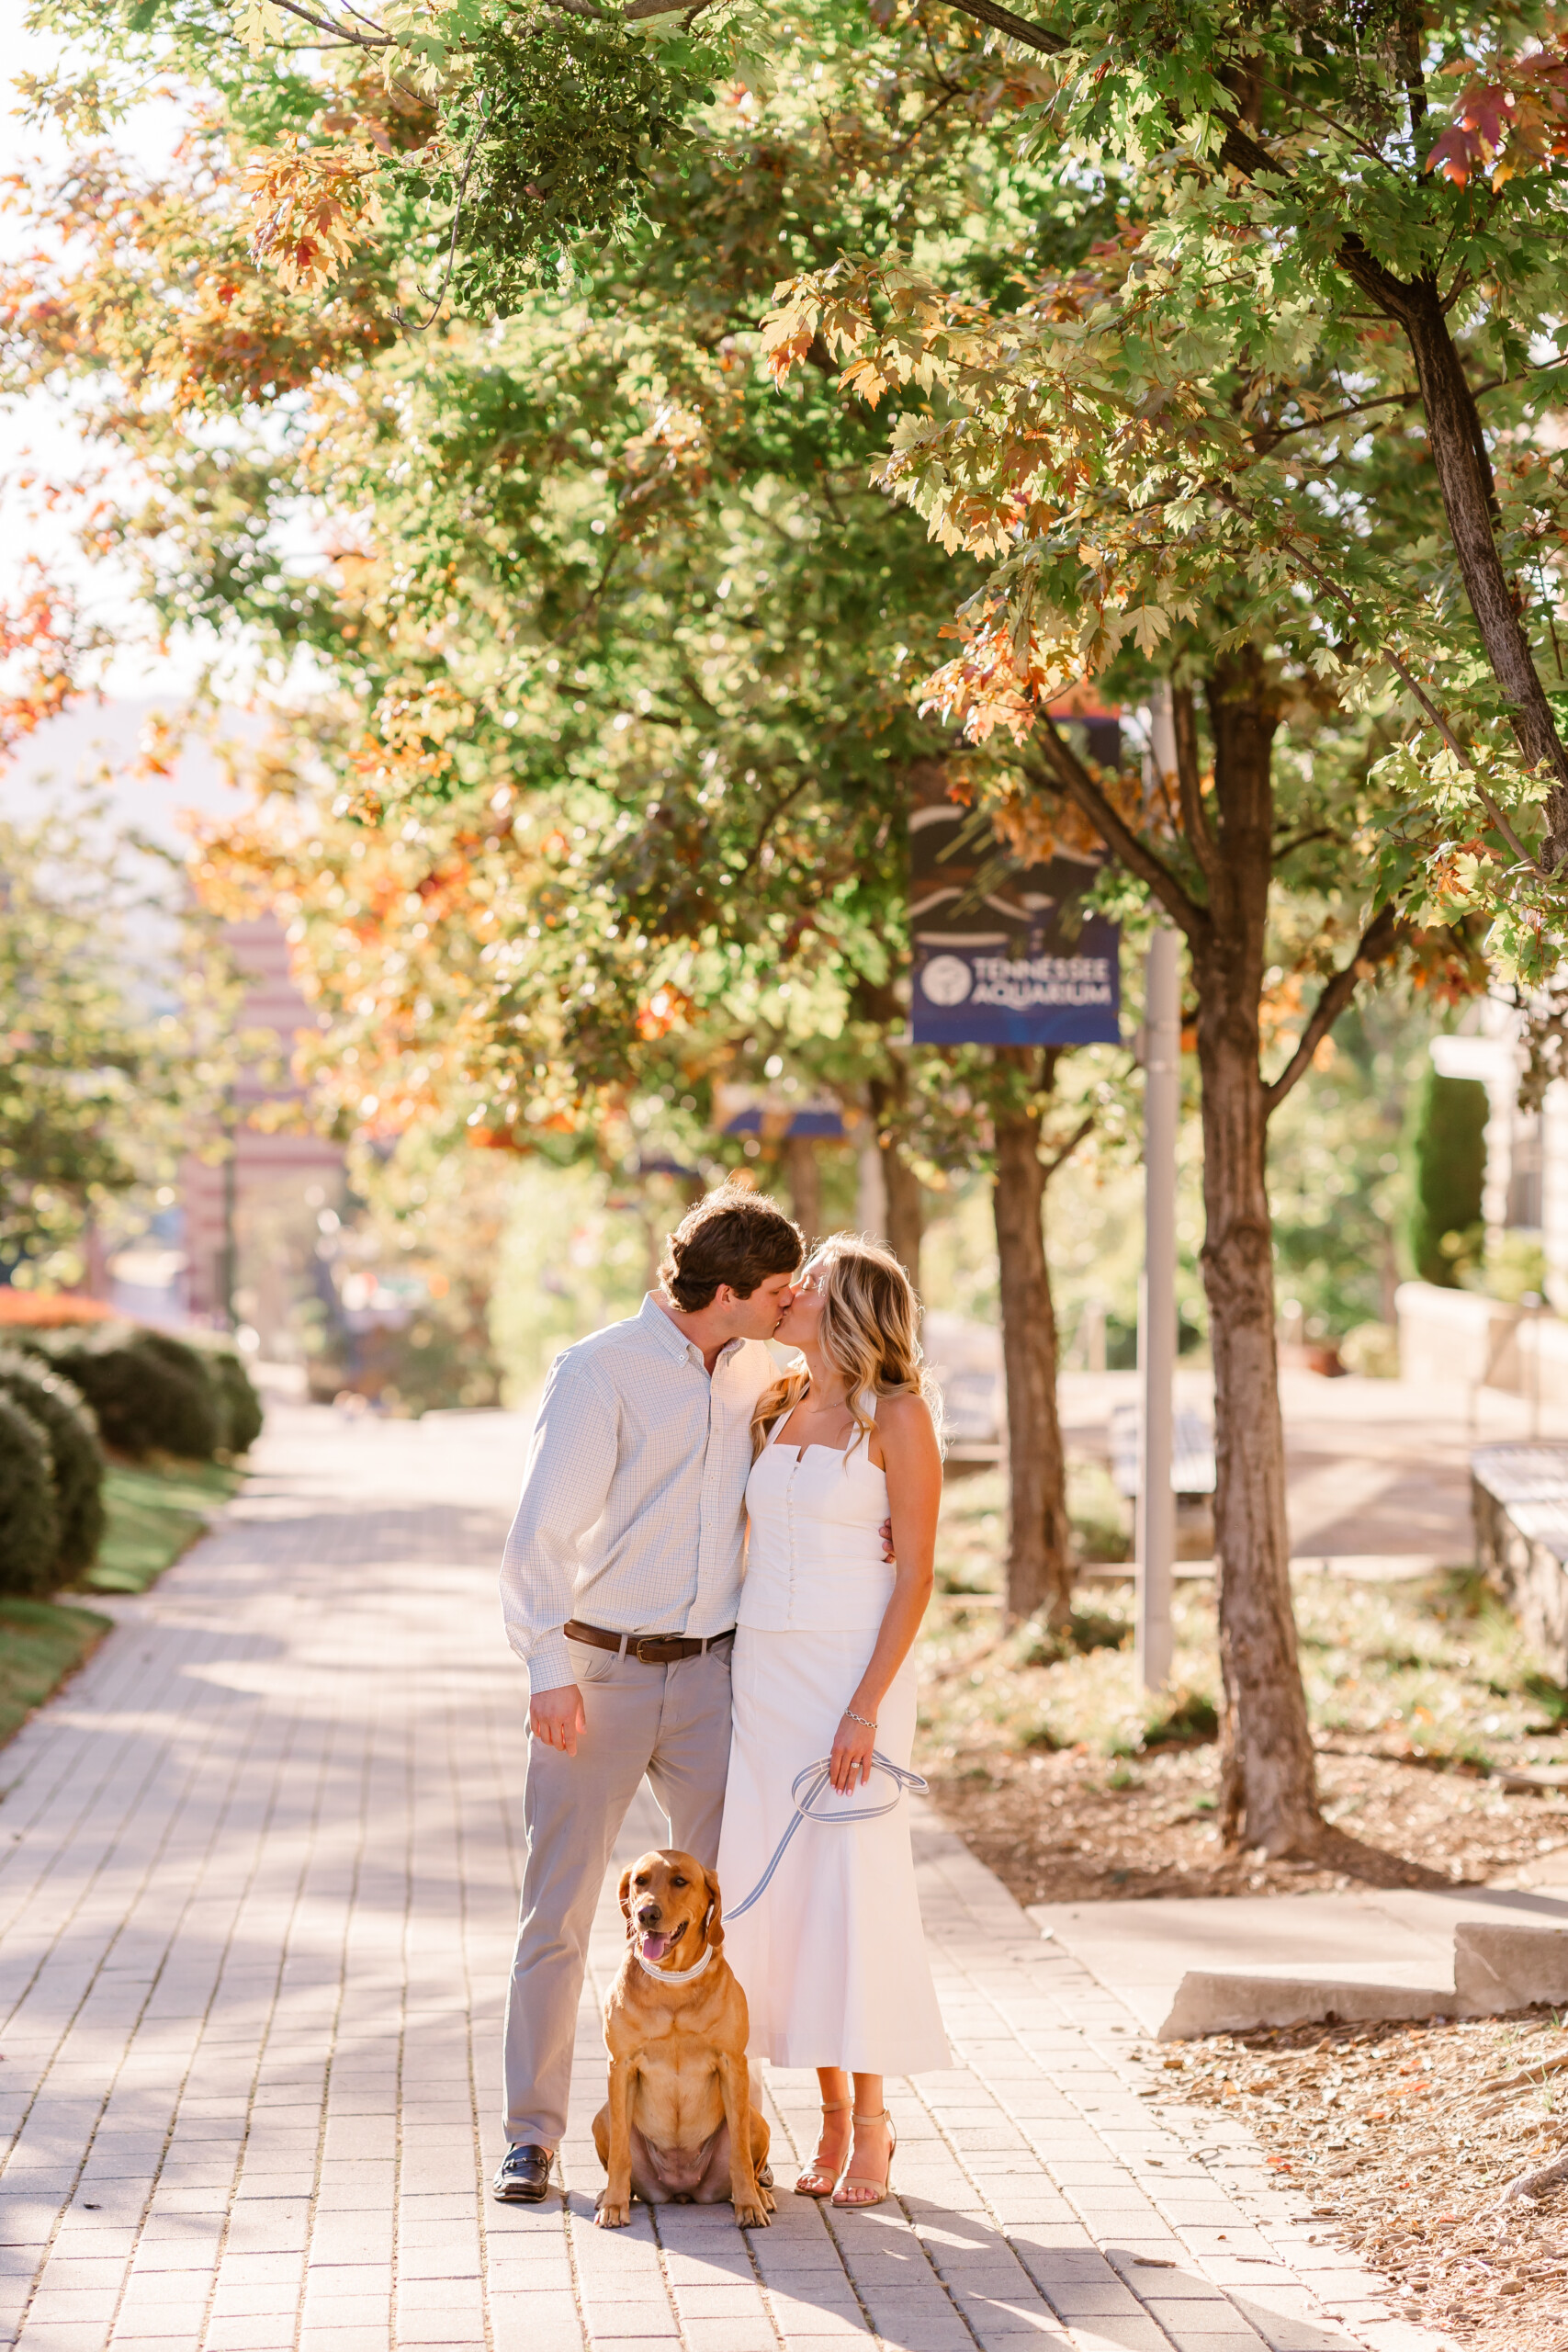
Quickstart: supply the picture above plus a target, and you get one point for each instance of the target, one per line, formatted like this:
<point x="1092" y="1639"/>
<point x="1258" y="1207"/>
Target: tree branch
<point x="737" y="874"/>
<point x="1376" y="945"/>
<point x="1300" y="841"/>
<point x="1239" y="149"/>
<point x="1188" y="778"/>
<point x="1073" y="780"/>
<point x="1358" y="408"/>
<point x="1292" y="548"/>
<point x="340" y="33"/>
<point x="1019" y="29"/>
<point x="1050" y="1165"/>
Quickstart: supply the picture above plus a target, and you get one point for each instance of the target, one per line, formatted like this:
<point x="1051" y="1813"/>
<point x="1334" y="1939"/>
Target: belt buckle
<point x="646" y="1642"/>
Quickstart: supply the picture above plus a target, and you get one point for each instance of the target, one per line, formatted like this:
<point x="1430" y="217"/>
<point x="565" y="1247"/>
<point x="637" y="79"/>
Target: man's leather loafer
<point x="524" y="2177"/>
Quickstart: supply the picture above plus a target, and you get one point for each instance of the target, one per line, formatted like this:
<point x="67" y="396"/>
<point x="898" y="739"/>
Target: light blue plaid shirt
<point x="633" y="1510"/>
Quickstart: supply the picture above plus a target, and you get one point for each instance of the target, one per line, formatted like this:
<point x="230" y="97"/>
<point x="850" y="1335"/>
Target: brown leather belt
<point x="649" y="1650"/>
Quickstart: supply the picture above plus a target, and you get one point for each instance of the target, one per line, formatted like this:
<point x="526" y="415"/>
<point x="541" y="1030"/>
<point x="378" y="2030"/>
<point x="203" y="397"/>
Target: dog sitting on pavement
<point x="679" y="2127"/>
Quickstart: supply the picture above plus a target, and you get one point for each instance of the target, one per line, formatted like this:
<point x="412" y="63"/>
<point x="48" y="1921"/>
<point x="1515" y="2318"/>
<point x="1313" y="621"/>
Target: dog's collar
<point x="669" y="1975"/>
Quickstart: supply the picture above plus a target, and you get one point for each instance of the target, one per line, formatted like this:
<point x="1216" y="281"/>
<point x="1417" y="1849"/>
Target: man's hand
<point x="557" y="1717"/>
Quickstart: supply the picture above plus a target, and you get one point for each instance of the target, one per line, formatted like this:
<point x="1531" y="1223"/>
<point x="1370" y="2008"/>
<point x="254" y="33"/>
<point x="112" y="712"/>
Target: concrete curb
<point x="1496" y="1968"/>
<point x="1209" y="2002"/>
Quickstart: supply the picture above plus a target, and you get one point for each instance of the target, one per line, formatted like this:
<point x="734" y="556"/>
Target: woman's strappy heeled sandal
<point x="820" y="2168"/>
<point x="881" y="2189"/>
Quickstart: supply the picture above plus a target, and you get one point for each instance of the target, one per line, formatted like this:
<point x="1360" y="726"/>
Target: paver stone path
<point x="257" y="1881"/>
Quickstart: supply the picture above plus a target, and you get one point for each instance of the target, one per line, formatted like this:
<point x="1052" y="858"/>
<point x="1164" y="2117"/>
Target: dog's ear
<point x="624" y="1897"/>
<point x="713" y="1925"/>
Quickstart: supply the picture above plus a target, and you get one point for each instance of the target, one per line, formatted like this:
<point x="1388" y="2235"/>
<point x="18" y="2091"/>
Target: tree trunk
<point x="1470" y="503"/>
<point x="905" y="1216"/>
<point x="903" y="1219"/>
<point x="1464" y="476"/>
<point x="1268" y="1783"/>
<point x="804" y="1177"/>
<point x="1040" y="1566"/>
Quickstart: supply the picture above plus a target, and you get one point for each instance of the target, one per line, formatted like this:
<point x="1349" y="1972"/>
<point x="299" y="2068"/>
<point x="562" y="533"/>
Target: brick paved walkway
<point x="257" y="1873"/>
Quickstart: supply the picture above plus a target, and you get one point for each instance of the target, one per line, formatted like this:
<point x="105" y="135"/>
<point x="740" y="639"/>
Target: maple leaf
<point x="259" y="24"/>
<point x="864" y="378"/>
<point x="1148" y="624"/>
<point x="313" y="209"/>
<point x="1516" y="120"/>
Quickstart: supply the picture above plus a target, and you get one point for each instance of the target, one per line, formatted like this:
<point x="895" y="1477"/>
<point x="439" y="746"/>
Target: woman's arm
<point x="913" y="1462"/>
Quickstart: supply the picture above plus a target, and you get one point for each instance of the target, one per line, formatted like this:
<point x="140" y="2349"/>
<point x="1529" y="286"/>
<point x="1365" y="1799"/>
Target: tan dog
<point x="679" y="2127"/>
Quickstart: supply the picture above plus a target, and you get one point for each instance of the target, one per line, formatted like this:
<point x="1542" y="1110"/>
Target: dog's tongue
<point x="655" y="1947"/>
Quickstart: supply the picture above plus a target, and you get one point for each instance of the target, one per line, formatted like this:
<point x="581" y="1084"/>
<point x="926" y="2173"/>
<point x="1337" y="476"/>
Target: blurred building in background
<point x="252" y="1212"/>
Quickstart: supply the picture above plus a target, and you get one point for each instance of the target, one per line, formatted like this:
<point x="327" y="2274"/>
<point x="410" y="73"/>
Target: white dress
<point x="833" y="1957"/>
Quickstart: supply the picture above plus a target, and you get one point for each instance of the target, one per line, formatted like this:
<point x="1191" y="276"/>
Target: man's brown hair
<point x="733" y="1236"/>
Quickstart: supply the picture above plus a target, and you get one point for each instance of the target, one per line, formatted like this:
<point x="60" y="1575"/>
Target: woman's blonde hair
<point x="869" y="1333"/>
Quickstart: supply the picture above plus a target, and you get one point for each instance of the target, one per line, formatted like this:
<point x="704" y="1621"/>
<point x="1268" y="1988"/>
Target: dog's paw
<point x="758" y="2216"/>
<point x="612" y="2217"/>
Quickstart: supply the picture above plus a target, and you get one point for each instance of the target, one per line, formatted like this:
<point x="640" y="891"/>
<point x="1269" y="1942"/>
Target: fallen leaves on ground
<point x="1405" y="2137"/>
<point x="1073" y="1828"/>
<point x="1075" y="1783"/>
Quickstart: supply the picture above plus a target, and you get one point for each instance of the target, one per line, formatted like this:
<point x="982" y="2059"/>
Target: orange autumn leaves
<point x="314" y="208"/>
<point x="1513" y="117"/>
<point x="441" y="955"/>
<point x="151" y="280"/>
<point x="45" y="645"/>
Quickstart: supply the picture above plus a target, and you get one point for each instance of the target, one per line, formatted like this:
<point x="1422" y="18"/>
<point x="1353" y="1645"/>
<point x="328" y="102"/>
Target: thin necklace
<point x="671" y="1975"/>
<point x="805" y="1397"/>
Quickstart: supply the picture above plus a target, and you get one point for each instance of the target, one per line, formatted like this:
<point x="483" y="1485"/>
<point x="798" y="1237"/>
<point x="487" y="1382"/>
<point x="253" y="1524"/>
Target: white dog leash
<point x="818" y="1775"/>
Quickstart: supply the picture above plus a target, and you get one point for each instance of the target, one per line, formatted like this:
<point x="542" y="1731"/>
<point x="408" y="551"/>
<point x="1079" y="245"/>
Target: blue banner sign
<point x="1005" y="955"/>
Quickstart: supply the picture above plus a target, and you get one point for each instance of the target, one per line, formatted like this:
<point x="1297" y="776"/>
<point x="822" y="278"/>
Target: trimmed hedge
<point x="67" y="1422"/>
<point x="147" y="1391"/>
<point x="241" y="1406"/>
<point x="152" y="1393"/>
<point x="245" y="1413"/>
<point x="1448" y="1166"/>
<point x="148" y="1398"/>
<point x="29" y="1518"/>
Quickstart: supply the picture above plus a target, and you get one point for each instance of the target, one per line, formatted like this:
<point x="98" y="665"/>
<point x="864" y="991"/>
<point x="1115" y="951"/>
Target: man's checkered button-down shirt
<point x="633" y="1511"/>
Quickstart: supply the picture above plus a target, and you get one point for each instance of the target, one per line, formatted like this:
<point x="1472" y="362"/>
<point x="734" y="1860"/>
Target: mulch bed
<point x="1406" y="2138"/>
<point x="1074" y="1826"/>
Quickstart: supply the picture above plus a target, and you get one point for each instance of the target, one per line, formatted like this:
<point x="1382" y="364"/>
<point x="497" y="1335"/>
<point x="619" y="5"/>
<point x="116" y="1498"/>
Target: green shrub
<point x="216" y="1362"/>
<point x="241" y="1406"/>
<point x="1514" y="1269"/>
<point x="67" y="1421"/>
<point x="1372" y="1349"/>
<point x="1188" y="1719"/>
<point x="1448" y="1149"/>
<point x="1087" y="1629"/>
<point x="150" y="1393"/>
<point x="29" y="1521"/>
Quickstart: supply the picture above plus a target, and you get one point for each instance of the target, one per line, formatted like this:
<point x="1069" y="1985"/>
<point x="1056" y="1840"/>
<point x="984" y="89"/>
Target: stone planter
<point x="1520" y="1496"/>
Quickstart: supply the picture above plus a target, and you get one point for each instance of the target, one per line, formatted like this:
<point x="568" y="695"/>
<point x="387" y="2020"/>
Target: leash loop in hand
<point x="817" y="1776"/>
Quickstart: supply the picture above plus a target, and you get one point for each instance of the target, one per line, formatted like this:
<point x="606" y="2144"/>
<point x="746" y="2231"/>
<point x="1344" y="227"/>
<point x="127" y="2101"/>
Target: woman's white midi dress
<point x="832" y="1958"/>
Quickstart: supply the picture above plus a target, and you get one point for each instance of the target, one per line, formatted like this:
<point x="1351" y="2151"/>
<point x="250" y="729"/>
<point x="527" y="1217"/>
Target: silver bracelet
<point x="869" y="1722"/>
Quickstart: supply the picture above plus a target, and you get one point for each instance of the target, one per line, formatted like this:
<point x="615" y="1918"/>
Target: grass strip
<point x="40" y="1643"/>
<point x="154" y="1514"/>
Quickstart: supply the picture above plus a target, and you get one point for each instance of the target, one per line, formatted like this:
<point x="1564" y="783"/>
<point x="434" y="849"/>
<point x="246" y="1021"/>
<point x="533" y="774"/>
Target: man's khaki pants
<point x="668" y="1721"/>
